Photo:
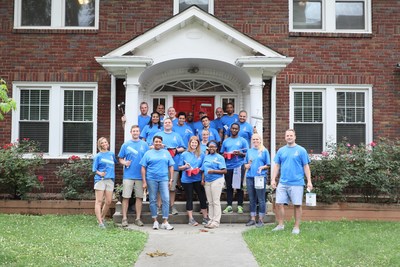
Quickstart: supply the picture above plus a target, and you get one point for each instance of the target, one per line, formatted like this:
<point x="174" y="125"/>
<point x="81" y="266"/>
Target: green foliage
<point x="76" y="174"/>
<point x="19" y="163"/>
<point x="340" y="243"/>
<point x="370" y="170"/>
<point x="6" y="103"/>
<point x="76" y="240"/>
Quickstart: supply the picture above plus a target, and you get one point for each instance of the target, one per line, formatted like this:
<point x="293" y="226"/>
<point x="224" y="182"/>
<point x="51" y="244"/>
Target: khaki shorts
<point x="174" y="181"/>
<point x="104" y="185"/>
<point x="130" y="185"/>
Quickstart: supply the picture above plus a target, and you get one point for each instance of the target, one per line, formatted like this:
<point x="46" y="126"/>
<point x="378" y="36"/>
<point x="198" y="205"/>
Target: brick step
<point x="182" y="218"/>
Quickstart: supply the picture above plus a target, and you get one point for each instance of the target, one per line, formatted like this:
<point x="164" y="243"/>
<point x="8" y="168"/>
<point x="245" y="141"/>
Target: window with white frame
<point x="181" y="5"/>
<point x="330" y="16"/>
<point x="49" y="14"/>
<point x="331" y="113"/>
<point x="58" y="116"/>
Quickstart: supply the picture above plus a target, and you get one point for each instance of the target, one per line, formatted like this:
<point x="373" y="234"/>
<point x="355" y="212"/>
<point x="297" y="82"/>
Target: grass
<point x="73" y="240"/>
<point x="343" y="243"/>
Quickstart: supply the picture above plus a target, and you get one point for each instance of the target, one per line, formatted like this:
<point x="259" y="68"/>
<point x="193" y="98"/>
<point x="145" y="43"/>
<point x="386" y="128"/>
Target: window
<point x="330" y="16"/>
<point x="58" y="116"/>
<point x="321" y="114"/>
<point x="226" y="100"/>
<point x="69" y="14"/>
<point x="181" y="5"/>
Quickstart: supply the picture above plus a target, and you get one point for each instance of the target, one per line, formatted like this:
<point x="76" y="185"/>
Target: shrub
<point x="19" y="163"/>
<point x="371" y="170"/>
<point x="76" y="174"/>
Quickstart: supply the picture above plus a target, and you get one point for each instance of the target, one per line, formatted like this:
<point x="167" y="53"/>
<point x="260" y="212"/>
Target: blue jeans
<point x="154" y="187"/>
<point x="256" y="195"/>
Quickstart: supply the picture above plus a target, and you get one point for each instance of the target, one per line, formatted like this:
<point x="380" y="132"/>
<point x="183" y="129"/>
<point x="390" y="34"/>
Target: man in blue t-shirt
<point x="229" y="118"/>
<point x="130" y="154"/>
<point x="143" y="118"/>
<point x="293" y="162"/>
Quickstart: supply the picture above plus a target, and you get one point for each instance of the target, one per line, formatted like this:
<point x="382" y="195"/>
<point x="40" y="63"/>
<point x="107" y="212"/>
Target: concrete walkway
<point x="196" y="246"/>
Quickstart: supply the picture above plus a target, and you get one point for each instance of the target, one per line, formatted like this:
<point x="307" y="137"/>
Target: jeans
<point x="154" y="187"/>
<point x="229" y="189"/>
<point x="256" y="195"/>
<point x="199" y="189"/>
<point x="213" y="192"/>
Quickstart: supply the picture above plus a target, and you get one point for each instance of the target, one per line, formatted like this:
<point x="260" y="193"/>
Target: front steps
<point x="182" y="218"/>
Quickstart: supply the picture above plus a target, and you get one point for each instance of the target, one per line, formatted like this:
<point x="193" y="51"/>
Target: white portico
<point x="195" y="54"/>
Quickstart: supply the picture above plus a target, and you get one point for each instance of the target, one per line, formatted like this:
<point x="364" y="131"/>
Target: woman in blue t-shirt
<point x="257" y="162"/>
<point x="157" y="175"/>
<point x="190" y="163"/>
<point x="153" y="127"/>
<point x="213" y="169"/>
<point x="104" y="168"/>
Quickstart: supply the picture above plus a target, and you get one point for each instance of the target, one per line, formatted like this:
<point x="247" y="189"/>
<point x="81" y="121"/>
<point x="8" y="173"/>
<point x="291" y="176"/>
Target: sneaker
<point x="138" y="222"/>
<point x="296" y="231"/>
<point x="102" y="226"/>
<point x="167" y="226"/>
<point x="174" y="211"/>
<point x="205" y="221"/>
<point x="259" y="224"/>
<point x="240" y="209"/>
<point x="192" y="222"/>
<point x="228" y="209"/>
<point x="279" y="228"/>
<point x="124" y="223"/>
<point x="155" y="225"/>
<point x="251" y="223"/>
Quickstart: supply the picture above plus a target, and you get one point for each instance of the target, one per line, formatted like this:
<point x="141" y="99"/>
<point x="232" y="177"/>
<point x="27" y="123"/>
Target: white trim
<point x="57" y="17"/>
<point x="329" y="107"/>
<point x="273" y="119"/>
<point x="56" y="106"/>
<point x="113" y="108"/>
<point x="329" y="18"/>
<point x="210" y="7"/>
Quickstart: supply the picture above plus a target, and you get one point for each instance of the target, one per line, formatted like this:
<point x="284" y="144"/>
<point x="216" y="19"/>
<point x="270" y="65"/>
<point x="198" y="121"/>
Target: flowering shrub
<point x="19" y="162"/>
<point x="76" y="174"/>
<point x="372" y="170"/>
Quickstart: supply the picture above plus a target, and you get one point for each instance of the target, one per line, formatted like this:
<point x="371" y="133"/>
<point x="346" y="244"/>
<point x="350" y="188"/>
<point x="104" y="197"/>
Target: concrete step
<point x="182" y="218"/>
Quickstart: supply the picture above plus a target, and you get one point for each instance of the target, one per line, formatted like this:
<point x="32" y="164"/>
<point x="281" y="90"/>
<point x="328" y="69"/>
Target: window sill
<point x="331" y="34"/>
<point x="57" y="31"/>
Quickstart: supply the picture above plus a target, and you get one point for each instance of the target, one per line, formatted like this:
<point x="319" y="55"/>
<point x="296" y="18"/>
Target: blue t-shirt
<point x="197" y="127"/>
<point x="143" y="121"/>
<point x="104" y="162"/>
<point x="228" y="120"/>
<point x="149" y="132"/>
<point x="258" y="158"/>
<point x="203" y="147"/>
<point x="172" y="140"/>
<point x="214" y="135"/>
<point x="231" y="144"/>
<point x="184" y="131"/>
<point x="217" y="124"/>
<point x="134" y="151"/>
<point x="212" y="162"/>
<point x="157" y="163"/>
<point x="195" y="162"/>
<point x="292" y="161"/>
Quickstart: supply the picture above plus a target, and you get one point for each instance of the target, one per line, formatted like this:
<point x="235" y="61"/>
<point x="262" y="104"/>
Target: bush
<point x="19" y="163"/>
<point x="371" y="170"/>
<point x="76" y="174"/>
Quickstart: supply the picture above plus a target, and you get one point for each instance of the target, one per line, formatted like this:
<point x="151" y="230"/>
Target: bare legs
<point x="100" y="211"/>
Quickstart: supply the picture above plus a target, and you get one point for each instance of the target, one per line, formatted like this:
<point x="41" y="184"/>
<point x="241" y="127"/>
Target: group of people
<point x="202" y="157"/>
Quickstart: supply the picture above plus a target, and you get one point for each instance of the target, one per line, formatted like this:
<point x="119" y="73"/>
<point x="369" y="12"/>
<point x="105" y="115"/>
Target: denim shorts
<point x="289" y="193"/>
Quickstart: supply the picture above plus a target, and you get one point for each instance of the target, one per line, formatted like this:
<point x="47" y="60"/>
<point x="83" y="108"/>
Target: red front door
<point x="195" y="104"/>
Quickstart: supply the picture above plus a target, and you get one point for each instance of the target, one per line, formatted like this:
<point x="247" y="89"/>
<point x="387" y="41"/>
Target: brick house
<point x="328" y="69"/>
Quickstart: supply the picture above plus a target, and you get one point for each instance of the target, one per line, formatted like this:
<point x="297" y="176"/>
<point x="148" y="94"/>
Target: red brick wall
<point x="68" y="56"/>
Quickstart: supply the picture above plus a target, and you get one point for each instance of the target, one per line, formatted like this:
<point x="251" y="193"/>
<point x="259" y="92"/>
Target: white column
<point x="256" y="99"/>
<point x="273" y="119"/>
<point x="131" y="99"/>
<point x="112" y="113"/>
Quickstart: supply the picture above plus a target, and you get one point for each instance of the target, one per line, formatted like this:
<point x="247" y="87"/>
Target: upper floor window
<point x="56" y="14"/>
<point x="329" y="113"/>
<point x="330" y="16"/>
<point x="181" y="5"/>
<point x="60" y="117"/>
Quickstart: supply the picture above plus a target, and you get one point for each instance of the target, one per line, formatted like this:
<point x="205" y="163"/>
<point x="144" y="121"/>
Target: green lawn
<point x="343" y="243"/>
<point x="66" y="241"/>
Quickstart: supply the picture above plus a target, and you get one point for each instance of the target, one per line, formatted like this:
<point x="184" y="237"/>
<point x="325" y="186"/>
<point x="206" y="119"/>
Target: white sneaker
<point x="155" y="225"/>
<point x="279" y="228"/>
<point x="167" y="226"/>
<point x="296" y="231"/>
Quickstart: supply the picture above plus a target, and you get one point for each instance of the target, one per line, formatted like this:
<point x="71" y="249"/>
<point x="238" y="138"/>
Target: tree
<point x="6" y="103"/>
